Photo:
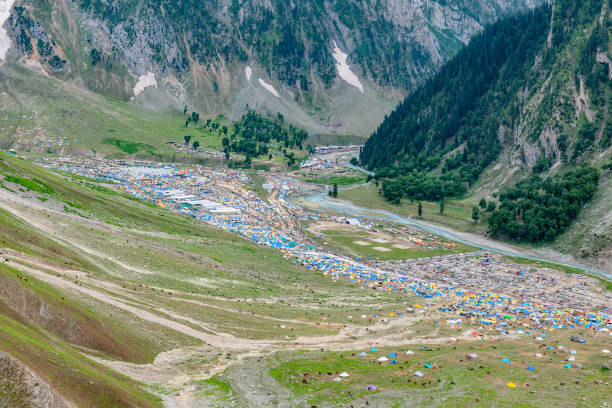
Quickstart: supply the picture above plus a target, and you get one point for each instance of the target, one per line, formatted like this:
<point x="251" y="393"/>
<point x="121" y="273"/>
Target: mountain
<point x="530" y="98"/>
<point x="331" y="66"/>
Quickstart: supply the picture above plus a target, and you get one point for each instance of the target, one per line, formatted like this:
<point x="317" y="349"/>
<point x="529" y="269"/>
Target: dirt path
<point x="47" y="226"/>
<point x="223" y="341"/>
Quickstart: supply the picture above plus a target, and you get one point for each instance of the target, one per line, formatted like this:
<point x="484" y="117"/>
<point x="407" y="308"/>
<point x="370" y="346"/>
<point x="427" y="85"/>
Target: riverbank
<point x="323" y="201"/>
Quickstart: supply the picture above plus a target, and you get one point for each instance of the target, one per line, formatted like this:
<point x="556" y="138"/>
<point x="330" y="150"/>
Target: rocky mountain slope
<point x="537" y="104"/>
<point x="332" y="66"/>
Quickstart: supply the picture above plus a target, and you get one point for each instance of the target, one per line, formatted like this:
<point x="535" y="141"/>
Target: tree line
<point x="539" y="209"/>
<point x="253" y="134"/>
<point x="455" y="116"/>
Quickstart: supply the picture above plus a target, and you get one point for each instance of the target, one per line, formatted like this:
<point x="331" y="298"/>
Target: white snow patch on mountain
<point x="145" y="81"/>
<point x="269" y="87"/>
<point x="344" y="71"/>
<point x="5" y="41"/>
<point x="248" y="71"/>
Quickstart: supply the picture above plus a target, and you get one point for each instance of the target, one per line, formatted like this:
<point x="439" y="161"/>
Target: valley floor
<point x="456" y="220"/>
<point x="141" y="284"/>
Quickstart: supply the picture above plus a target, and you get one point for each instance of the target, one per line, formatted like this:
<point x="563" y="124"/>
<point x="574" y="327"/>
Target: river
<point x="322" y="200"/>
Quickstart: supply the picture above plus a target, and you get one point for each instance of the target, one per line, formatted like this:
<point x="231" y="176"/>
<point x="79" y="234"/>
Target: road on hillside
<point x="322" y="200"/>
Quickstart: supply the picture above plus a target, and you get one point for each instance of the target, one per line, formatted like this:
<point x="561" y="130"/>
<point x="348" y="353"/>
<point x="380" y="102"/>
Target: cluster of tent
<point x="392" y="361"/>
<point x="491" y="309"/>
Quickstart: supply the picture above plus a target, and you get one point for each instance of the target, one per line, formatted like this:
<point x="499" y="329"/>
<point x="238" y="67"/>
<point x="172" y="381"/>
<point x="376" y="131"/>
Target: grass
<point x="17" y="235"/>
<point x="122" y="209"/>
<point x="74" y="376"/>
<point x="74" y="205"/>
<point x="455" y="381"/>
<point x="218" y="383"/>
<point x="345" y="239"/>
<point x="75" y="321"/>
<point x="339" y="180"/>
<point x="79" y="117"/>
<point x="457" y="214"/>
<point x="34" y="185"/>
<point x="129" y="147"/>
<point x="257" y="181"/>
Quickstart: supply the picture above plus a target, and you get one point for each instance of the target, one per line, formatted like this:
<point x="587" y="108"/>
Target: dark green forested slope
<point x="536" y="209"/>
<point x="540" y="93"/>
<point x="460" y="106"/>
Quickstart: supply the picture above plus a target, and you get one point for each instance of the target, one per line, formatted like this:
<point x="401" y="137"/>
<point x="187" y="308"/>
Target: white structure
<point x="181" y="197"/>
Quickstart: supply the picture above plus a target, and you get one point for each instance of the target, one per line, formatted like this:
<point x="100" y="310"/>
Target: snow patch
<point x="248" y="71"/>
<point x="5" y="12"/>
<point x="269" y="87"/>
<point x="344" y="70"/>
<point x="145" y="81"/>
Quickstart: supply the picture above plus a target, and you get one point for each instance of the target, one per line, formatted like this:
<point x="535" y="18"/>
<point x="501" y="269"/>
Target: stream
<point x="321" y="199"/>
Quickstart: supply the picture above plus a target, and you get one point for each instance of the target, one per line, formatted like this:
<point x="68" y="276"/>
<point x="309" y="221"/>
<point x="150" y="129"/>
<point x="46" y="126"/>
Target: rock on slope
<point x="21" y="387"/>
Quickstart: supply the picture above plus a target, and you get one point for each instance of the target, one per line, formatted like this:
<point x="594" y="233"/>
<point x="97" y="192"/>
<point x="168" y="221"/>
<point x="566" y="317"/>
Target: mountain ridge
<point x="533" y="116"/>
<point x="198" y="52"/>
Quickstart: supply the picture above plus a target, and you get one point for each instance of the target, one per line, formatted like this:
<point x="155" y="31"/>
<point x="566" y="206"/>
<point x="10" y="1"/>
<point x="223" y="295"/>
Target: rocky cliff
<point x="332" y="66"/>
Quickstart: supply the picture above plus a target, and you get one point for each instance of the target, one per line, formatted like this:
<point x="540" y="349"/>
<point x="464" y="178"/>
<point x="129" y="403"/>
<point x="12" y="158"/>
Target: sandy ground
<point x="381" y="249"/>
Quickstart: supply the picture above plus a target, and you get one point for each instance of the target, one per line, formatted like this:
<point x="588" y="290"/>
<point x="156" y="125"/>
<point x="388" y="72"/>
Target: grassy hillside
<point x="92" y="270"/>
<point x="46" y="114"/>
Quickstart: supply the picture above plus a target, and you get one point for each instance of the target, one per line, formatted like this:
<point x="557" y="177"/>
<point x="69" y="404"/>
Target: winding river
<point x="321" y="200"/>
